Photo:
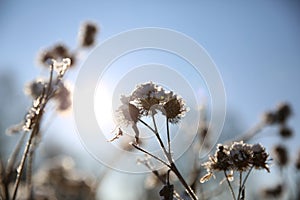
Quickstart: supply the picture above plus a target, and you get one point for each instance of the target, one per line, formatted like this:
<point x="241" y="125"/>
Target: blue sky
<point x="256" y="45"/>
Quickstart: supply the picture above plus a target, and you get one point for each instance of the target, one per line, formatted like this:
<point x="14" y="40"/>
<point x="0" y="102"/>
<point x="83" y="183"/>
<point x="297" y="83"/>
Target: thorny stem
<point x="229" y="184"/>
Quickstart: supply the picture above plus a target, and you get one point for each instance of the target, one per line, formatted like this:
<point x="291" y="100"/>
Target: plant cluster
<point x="57" y="60"/>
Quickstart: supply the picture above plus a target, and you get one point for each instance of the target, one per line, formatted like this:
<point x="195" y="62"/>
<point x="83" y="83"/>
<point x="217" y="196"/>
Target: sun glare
<point x="103" y="108"/>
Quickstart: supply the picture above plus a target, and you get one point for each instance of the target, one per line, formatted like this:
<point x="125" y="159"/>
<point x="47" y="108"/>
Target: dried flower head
<point x="219" y="162"/>
<point x="285" y="132"/>
<point x="240" y="154"/>
<point x="281" y="155"/>
<point x="283" y="112"/>
<point x="259" y="157"/>
<point x="274" y="192"/>
<point x="87" y="34"/>
<point x="63" y="97"/>
<point x="148" y="96"/>
<point x="61" y="66"/>
<point x="31" y="118"/>
<point x="58" y="52"/>
<point x="174" y="109"/>
<point x="35" y="88"/>
<point x="270" y="117"/>
<point x="127" y="112"/>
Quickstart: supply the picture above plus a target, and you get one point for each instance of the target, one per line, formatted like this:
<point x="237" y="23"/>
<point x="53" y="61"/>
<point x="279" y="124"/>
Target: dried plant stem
<point x="10" y="165"/>
<point x="144" y="123"/>
<point x="21" y="166"/>
<point x="183" y="182"/>
<point x="155" y="172"/>
<point x="29" y="168"/>
<point x="172" y="165"/>
<point x="36" y="129"/>
<point x="168" y="135"/>
<point x="240" y="184"/>
<point x="14" y="155"/>
<point x="150" y="154"/>
<point x="230" y="186"/>
<point x="244" y="181"/>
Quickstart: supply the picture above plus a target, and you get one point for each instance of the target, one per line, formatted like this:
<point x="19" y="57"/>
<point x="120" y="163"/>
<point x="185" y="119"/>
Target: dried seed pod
<point x="270" y="117"/>
<point x="283" y="112"/>
<point x="281" y="155"/>
<point x="88" y="34"/>
<point x="285" y="132"/>
<point x="273" y="192"/>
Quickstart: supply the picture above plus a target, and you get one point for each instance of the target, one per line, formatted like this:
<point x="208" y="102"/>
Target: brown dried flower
<point x="174" y="109"/>
<point x="240" y="154"/>
<point x="281" y="155"/>
<point x="285" y="132"/>
<point x="274" y="192"/>
<point x="283" y="112"/>
<point x="88" y="34"/>
<point x="35" y="88"/>
<point x="259" y="157"/>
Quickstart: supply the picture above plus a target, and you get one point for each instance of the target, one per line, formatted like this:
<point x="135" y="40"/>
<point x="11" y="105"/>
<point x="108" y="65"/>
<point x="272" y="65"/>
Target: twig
<point x="172" y="165"/>
<point x="247" y="175"/>
<point x="45" y="98"/>
<point x="13" y="156"/>
<point x="29" y="168"/>
<point x="183" y="182"/>
<point x="240" y="185"/>
<point x="150" y="154"/>
<point x="21" y="166"/>
<point x="229" y="184"/>
<point x="168" y="135"/>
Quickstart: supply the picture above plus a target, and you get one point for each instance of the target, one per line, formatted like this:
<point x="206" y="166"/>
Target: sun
<point x="103" y="108"/>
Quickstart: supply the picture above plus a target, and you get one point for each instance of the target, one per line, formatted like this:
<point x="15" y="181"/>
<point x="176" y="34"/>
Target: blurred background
<point x="256" y="47"/>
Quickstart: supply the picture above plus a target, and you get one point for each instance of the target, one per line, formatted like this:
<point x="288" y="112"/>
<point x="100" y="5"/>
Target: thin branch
<point x="240" y="185"/>
<point x="13" y="157"/>
<point x="22" y="164"/>
<point x="150" y="154"/>
<point x="183" y="182"/>
<point x="144" y="123"/>
<point x="229" y="184"/>
<point x="168" y="135"/>
<point x="247" y="175"/>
